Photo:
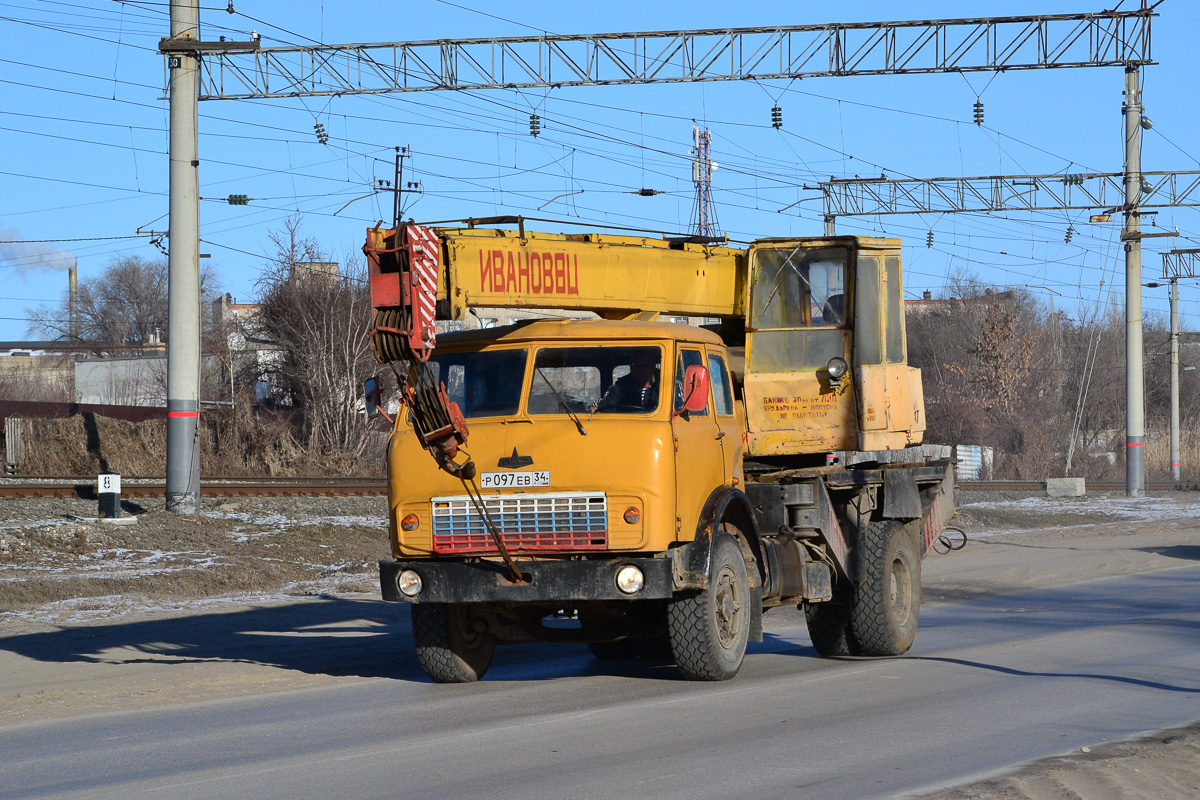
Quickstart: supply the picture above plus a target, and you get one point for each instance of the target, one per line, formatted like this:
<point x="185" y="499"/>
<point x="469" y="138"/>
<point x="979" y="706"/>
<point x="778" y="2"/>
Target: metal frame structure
<point x="1061" y="192"/>
<point x="1181" y="264"/>
<point x="1103" y="39"/>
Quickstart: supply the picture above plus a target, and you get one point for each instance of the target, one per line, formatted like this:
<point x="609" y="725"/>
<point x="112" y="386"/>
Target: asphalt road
<point x="990" y="682"/>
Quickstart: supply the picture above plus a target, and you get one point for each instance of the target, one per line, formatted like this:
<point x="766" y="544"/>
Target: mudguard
<point x="692" y="562"/>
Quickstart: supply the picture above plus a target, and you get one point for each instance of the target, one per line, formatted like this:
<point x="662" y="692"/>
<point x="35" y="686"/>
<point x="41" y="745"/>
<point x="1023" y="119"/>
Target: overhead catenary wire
<point x="755" y="173"/>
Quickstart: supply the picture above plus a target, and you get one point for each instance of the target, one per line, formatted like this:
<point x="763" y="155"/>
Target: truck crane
<point x="646" y="487"/>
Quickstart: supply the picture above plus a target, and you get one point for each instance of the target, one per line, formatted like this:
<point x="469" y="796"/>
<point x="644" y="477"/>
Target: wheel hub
<point x="899" y="592"/>
<point x="728" y="607"/>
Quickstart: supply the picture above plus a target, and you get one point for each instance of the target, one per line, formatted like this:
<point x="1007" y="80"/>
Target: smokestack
<point x="73" y="303"/>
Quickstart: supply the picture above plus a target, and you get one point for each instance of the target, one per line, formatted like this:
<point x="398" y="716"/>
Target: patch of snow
<point x="53" y="522"/>
<point x="1115" y="508"/>
<point x="279" y="523"/>
<point x="82" y="610"/>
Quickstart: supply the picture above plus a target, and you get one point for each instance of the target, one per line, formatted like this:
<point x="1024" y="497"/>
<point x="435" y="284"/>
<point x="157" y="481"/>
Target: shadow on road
<point x="1021" y="673"/>
<point x="327" y="636"/>
<point x="1184" y="552"/>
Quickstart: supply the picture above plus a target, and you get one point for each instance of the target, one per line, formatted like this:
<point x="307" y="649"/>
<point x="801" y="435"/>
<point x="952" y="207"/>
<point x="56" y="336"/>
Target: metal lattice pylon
<point x="704" y="211"/>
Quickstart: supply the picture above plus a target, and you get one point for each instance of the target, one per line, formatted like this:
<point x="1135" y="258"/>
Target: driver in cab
<point x="636" y="391"/>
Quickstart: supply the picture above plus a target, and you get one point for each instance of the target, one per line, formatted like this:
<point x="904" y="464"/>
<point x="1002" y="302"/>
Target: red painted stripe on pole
<point x="183" y="413"/>
<point x="1135" y="444"/>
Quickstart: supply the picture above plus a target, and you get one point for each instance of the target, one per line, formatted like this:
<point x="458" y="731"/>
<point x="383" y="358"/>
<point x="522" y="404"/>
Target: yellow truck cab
<point x="598" y="454"/>
<point x="565" y="462"/>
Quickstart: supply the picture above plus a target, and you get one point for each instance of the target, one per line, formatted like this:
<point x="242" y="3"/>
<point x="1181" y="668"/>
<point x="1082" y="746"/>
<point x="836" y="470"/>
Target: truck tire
<point x="829" y="626"/>
<point x="449" y="647"/>
<point x="886" y="607"/>
<point x="708" y="630"/>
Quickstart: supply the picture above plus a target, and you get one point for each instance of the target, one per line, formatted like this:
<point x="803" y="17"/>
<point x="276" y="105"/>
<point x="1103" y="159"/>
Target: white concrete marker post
<point x="108" y="490"/>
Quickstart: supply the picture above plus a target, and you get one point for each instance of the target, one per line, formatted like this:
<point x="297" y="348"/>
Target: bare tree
<point x="125" y="305"/>
<point x="319" y="320"/>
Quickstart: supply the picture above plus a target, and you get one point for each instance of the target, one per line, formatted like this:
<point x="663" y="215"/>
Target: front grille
<point x="527" y="523"/>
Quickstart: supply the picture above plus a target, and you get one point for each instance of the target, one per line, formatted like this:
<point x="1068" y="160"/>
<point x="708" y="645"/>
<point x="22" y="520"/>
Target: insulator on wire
<point x="1070" y="233"/>
<point x="978" y="112"/>
<point x="929" y="239"/>
<point x="322" y="136"/>
<point x="237" y="199"/>
<point x="535" y="125"/>
<point x="776" y="117"/>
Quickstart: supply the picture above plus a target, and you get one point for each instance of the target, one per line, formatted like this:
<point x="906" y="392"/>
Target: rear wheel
<point x="709" y="629"/>
<point x="883" y="617"/>
<point x="829" y="625"/>
<point x="450" y="646"/>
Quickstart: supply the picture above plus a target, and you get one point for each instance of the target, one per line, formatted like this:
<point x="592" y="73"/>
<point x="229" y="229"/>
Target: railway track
<point x="1092" y="486"/>
<point x="365" y="487"/>
<point x="213" y="487"/>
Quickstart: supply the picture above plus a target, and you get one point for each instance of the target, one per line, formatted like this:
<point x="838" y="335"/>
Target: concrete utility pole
<point x="183" y="300"/>
<point x="1174" y="294"/>
<point x="1177" y="264"/>
<point x="1135" y="410"/>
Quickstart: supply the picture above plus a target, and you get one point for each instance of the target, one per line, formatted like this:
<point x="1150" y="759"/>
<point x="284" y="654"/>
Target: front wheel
<point x="450" y="647"/>
<point x="883" y="618"/>
<point x="709" y="629"/>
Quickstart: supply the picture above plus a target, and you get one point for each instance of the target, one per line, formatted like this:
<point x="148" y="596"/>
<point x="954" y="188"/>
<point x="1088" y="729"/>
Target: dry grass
<point x="1158" y="453"/>
<point x="167" y="558"/>
<point x="233" y="443"/>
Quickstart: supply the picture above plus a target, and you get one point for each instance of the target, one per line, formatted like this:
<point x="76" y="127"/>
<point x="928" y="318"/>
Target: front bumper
<point x="549" y="581"/>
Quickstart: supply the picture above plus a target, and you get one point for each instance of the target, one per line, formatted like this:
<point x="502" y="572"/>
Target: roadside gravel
<point x="58" y="564"/>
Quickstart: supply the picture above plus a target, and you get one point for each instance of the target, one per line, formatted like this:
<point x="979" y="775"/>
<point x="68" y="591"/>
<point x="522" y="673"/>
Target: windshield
<point x="796" y="287"/>
<point x="602" y="380"/>
<point x="486" y="384"/>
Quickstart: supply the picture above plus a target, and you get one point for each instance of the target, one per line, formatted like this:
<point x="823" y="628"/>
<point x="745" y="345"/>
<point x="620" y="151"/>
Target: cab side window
<point x="687" y="358"/>
<point x="722" y="393"/>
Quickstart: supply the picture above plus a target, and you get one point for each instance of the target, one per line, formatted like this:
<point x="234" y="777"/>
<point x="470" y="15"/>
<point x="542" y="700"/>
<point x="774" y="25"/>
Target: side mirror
<point x="695" y="389"/>
<point x="371" y="394"/>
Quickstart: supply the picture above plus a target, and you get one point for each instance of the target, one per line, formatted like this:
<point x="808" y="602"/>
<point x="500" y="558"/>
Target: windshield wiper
<point x="562" y="402"/>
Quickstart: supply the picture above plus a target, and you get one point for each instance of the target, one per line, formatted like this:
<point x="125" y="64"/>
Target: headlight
<point x="837" y="367"/>
<point x="633" y="515"/>
<point x="630" y="579"/>
<point x="410" y="522"/>
<point x="409" y="583"/>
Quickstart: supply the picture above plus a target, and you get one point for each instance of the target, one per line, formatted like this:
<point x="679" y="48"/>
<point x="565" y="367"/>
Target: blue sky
<point x="83" y="139"/>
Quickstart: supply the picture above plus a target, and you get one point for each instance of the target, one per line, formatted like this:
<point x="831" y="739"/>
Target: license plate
<point x="514" y="480"/>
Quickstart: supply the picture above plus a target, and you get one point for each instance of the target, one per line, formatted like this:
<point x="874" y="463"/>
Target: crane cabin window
<point x="796" y="287"/>
<point x="798" y="309"/>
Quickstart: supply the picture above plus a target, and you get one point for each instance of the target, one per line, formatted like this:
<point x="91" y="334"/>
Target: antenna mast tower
<point x="704" y="212"/>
